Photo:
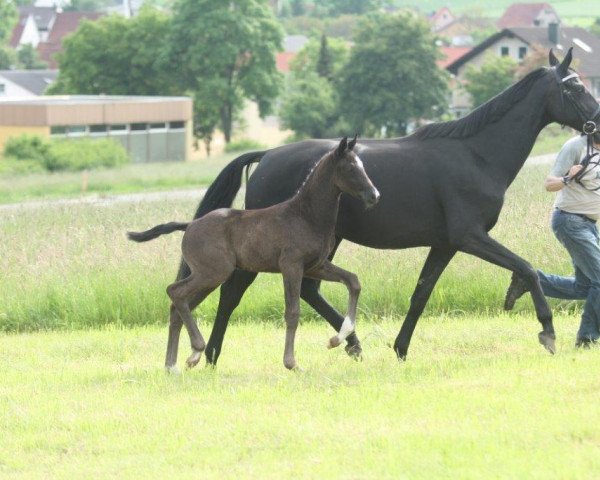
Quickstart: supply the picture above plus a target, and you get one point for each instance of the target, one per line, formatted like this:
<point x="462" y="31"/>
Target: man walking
<point x="576" y="210"/>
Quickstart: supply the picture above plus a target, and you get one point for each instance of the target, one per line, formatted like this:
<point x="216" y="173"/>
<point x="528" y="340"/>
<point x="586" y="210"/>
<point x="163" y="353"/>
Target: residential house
<point x="517" y="42"/>
<point x="25" y="83"/>
<point x="45" y="28"/>
<point x="440" y="19"/>
<point x="457" y="30"/>
<point x="528" y="15"/>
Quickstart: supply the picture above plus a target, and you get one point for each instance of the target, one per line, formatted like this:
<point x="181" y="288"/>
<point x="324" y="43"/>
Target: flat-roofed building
<point x="152" y="129"/>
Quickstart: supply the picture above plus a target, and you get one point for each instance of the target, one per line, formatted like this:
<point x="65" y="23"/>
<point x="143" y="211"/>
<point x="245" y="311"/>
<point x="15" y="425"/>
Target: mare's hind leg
<point x="328" y="271"/>
<point x="181" y="293"/>
<point x="232" y="292"/>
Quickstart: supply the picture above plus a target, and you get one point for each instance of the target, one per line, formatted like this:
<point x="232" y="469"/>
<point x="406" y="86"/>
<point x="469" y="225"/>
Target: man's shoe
<point x="516" y="289"/>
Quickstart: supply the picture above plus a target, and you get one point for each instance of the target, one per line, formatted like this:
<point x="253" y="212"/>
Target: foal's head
<point x="350" y="176"/>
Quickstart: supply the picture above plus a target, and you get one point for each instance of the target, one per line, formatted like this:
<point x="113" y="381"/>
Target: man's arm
<point x="554" y="184"/>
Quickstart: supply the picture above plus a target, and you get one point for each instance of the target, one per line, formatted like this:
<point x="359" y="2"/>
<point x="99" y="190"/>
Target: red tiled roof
<point x="66" y="23"/>
<point x="450" y="55"/>
<point x="521" y="14"/>
<point x="283" y="60"/>
<point x="18" y="31"/>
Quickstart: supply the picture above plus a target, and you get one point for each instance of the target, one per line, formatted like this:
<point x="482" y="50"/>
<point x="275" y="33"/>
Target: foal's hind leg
<point x="292" y="278"/>
<point x="181" y="293"/>
<point x="330" y="272"/>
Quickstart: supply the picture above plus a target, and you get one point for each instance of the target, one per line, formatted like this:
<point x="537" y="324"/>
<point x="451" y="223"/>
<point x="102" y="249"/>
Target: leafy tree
<point x="494" y="75"/>
<point x="391" y="76"/>
<point x="298" y="7"/>
<point x="308" y="59"/>
<point x="309" y="106"/>
<point x="88" y="5"/>
<point x="8" y="57"/>
<point x="118" y="56"/>
<point x="206" y="118"/>
<point x="230" y="46"/>
<point x="324" y="67"/>
<point x="339" y="7"/>
<point x="29" y="58"/>
<point x="8" y="19"/>
<point x="595" y="28"/>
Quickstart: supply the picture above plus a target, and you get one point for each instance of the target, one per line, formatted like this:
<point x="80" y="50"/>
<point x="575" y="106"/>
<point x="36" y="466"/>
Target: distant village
<point x="522" y="29"/>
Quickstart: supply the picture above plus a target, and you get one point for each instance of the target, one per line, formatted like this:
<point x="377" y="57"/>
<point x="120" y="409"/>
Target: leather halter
<point x="564" y="92"/>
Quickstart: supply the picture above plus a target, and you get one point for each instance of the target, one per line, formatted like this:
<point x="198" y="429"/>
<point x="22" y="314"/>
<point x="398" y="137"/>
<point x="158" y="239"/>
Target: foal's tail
<point x="156" y="231"/>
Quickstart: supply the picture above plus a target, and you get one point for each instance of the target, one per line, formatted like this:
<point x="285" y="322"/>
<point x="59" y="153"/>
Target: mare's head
<point x="569" y="101"/>
<point x="350" y="176"/>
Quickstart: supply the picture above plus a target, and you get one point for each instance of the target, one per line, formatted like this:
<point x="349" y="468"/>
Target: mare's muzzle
<point x="370" y="197"/>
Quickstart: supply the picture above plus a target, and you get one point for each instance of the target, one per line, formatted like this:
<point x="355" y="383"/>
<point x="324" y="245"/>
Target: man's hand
<point x="574" y="170"/>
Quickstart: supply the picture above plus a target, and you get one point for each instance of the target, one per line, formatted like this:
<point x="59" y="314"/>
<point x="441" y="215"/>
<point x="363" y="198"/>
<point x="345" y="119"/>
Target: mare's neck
<point x="318" y="199"/>
<point x="506" y="144"/>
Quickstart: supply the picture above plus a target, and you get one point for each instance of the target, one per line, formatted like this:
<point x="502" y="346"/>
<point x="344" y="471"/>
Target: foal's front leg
<point x="328" y="271"/>
<point x="292" y="280"/>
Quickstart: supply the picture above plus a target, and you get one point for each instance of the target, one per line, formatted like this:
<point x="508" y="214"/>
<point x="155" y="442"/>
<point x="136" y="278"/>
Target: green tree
<point x="340" y="7"/>
<point x="309" y="106"/>
<point x="324" y="62"/>
<point x="494" y="75"/>
<point x="206" y="119"/>
<point x="595" y="28"/>
<point x="308" y="59"/>
<point x="230" y="46"/>
<point x="118" y="56"/>
<point x="29" y="58"/>
<point x="8" y="57"/>
<point x="8" y="19"/>
<point x="391" y="76"/>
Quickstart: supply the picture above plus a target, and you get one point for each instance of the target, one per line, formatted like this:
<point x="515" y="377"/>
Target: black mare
<point x="442" y="187"/>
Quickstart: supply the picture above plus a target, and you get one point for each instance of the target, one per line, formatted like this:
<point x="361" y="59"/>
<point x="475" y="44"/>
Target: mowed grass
<point x="478" y="398"/>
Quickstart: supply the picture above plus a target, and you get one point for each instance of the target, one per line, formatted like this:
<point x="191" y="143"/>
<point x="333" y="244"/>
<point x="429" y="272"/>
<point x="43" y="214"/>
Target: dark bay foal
<point x="294" y="237"/>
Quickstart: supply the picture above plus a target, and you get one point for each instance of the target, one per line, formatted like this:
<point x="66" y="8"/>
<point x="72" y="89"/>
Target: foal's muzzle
<point x="370" y="197"/>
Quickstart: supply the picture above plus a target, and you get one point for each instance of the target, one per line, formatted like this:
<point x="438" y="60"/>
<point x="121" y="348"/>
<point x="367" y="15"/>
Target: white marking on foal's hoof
<point x="193" y="359"/>
<point x="172" y="370"/>
<point x="347" y="329"/>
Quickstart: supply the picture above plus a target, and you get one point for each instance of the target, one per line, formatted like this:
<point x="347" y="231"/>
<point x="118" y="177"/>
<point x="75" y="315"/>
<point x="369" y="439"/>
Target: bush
<point x="244" y="144"/>
<point x="84" y="154"/>
<point x="27" y="147"/>
<point x="11" y="166"/>
<point x="56" y="155"/>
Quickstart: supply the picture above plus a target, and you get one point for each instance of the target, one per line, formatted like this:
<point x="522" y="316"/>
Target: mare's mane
<point x="490" y="112"/>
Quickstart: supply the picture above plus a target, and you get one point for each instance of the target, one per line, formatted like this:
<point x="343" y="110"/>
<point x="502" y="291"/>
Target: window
<point x="158" y="126"/>
<point x="58" y="130"/>
<point x="504" y="51"/>
<point x="118" y="129"/>
<point x="138" y="127"/>
<point x="77" y="130"/>
<point x="522" y="52"/>
<point x="176" y="125"/>
<point x="99" y="129"/>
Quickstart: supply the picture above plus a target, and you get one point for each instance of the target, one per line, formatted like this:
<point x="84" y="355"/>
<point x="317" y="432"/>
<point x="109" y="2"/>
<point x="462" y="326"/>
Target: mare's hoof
<point x="547" y="340"/>
<point x="354" y="351"/>
<point x="172" y="370"/>
<point x="193" y="359"/>
<point x="334" y="342"/>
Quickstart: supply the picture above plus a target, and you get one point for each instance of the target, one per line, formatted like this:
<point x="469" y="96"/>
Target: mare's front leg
<point x="292" y="279"/>
<point x="329" y="272"/>
<point x="483" y="246"/>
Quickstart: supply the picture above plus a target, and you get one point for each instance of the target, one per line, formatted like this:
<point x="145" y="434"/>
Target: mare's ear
<point x="564" y="66"/>
<point x="552" y="59"/>
<point x="352" y="143"/>
<point x="341" y="150"/>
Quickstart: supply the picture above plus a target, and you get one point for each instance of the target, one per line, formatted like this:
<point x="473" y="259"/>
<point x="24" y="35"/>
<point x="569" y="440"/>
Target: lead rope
<point x="589" y="129"/>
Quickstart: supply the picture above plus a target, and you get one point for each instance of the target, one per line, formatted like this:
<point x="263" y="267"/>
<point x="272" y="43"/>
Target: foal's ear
<point x="341" y="150"/>
<point x="352" y="143"/>
<point x="564" y="66"/>
<point x="552" y="59"/>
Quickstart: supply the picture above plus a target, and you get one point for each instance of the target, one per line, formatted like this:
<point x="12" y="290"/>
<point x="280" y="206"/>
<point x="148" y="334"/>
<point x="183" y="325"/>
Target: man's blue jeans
<point x="580" y="237"/>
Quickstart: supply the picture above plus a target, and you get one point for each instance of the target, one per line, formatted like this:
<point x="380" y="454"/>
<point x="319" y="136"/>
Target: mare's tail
<point x="222" y="192"/>
<point x="156" y="231"/>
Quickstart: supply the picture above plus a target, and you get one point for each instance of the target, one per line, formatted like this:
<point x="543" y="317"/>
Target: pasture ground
<point x="478" y="398"/>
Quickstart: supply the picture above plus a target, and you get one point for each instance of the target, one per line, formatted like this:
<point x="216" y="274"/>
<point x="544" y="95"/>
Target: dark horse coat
<point x="441" y="187"/>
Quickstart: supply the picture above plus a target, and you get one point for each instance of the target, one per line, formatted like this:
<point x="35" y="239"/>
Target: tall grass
<point x="65" y="267"/>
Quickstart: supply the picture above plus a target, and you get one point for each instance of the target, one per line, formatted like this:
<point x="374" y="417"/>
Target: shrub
<point x="84" y="154"/>
<point x="27" y="147"/>
<point x="243" y="144"/>
<point x="12" y="166"/>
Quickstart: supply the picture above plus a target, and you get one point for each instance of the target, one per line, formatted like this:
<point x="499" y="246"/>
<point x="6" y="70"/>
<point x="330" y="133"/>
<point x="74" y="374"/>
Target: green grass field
<point x="477" y="399"/>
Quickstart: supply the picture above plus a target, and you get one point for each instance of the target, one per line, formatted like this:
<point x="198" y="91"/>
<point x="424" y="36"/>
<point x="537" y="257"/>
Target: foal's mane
<point x="313" y="168"/>
<point x="490" y="112"/>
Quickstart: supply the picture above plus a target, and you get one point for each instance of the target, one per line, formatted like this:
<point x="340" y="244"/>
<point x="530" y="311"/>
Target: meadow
<point x="83" y="316"/>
